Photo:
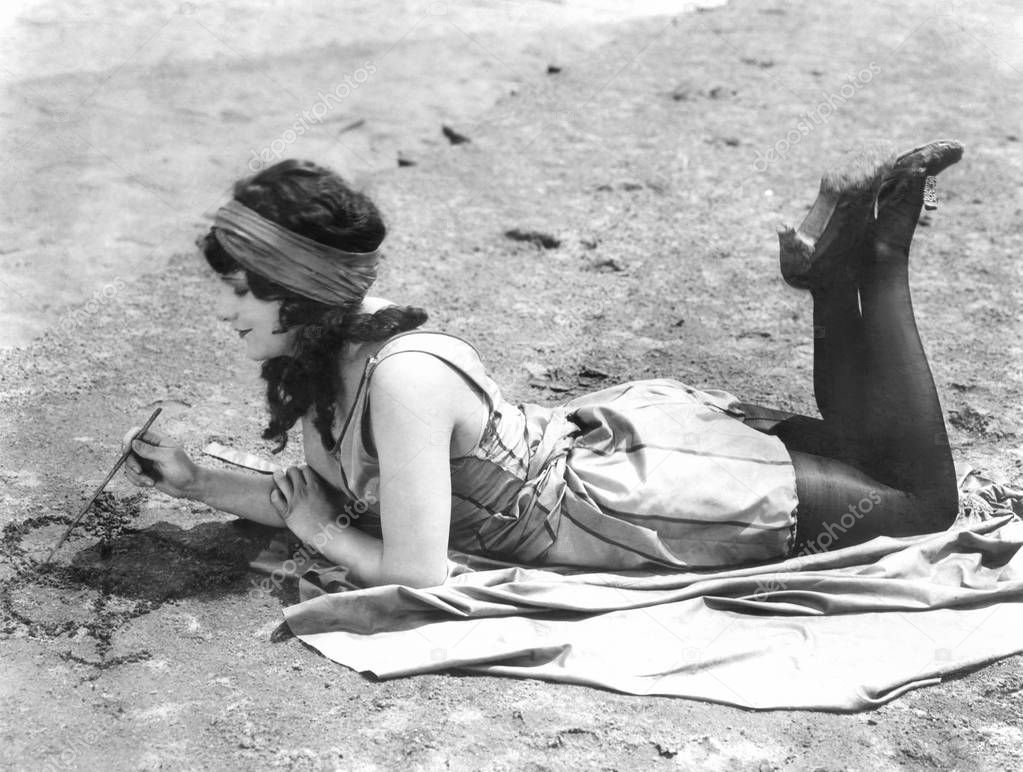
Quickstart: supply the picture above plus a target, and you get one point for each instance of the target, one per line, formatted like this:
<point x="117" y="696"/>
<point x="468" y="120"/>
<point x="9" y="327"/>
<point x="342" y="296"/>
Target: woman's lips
<point x="243" y="333"/>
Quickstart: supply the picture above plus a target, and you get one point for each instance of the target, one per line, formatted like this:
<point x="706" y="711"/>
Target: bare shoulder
<point x="413" y="372"/>
<point x="418" y="379"/>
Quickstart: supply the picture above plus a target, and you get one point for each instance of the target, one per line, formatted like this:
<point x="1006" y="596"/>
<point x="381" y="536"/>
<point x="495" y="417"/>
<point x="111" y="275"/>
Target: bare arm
<point x="159" y="462"/>
<point x="415" y="403"/>
<point x="413" y="420"/>
<point x="238" y="493"/>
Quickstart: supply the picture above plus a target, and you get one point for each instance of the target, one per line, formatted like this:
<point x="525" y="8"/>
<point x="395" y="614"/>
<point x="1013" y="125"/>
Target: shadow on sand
<point x="107" y="584"/>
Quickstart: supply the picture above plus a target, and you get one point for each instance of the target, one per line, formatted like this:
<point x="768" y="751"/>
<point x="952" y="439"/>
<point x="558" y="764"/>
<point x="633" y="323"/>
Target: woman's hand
<point x="157" y="461"/>
<point x="303" y="500"/>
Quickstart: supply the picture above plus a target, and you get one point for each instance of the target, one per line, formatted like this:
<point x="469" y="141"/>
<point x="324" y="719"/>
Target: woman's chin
<point x="254" y="353"/>
<point x="262" y="355"/>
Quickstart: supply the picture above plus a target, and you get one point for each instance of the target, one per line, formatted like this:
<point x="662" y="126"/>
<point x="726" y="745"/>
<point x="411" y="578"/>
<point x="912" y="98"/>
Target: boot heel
<point x="825" y="245"/>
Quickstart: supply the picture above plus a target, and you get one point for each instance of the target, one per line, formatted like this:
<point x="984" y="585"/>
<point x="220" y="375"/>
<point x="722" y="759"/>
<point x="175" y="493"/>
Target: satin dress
<point x="645" y="474"/>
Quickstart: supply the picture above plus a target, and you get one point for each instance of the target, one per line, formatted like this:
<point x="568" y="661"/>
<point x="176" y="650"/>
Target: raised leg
<point x="906" y="423"/>
<point x="893" y="471"/>
<point x="838" y="369"/>
<point x="908" y="485"/>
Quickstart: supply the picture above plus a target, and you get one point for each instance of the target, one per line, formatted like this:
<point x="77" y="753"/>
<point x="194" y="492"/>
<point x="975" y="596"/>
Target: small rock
<point x="718" y="140"/>
<point x="453" y="136"/>
<point x="282" y="633"/>
<point x="537" y="370"/>
<point x="248" y="736"/>
<point x="720" y="92"/>
<point x="608" y="265"/>
<point x="969" y="420"/>
<point x="539" y="238"/>
<point x="553" y="69"/>
<point x="404" y="160"/>
<point x="665" y="752"/>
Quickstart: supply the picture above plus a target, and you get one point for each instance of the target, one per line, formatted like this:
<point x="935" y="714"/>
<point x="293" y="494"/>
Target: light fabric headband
<point x="311" y="269"/>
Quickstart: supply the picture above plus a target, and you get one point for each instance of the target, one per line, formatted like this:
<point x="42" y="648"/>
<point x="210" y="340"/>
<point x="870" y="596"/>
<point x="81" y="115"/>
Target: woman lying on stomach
<point x="408" y="439"/>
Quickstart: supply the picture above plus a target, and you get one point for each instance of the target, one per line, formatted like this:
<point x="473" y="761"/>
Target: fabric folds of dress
<point x="646" y="473"/>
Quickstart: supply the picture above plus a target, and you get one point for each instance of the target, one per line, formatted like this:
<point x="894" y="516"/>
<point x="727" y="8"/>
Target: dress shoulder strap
<point x="456" y="352"/>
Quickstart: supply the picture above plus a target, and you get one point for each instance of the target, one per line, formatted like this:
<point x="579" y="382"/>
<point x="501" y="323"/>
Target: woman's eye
<point x="241" y="291"/>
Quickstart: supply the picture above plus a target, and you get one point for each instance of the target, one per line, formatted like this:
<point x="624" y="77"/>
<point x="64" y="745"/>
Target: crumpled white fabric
<point x="844" y="630"/>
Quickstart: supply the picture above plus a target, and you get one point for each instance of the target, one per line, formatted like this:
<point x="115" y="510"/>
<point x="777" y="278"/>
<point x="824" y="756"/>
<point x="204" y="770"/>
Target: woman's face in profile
<point x="256" y="321"/>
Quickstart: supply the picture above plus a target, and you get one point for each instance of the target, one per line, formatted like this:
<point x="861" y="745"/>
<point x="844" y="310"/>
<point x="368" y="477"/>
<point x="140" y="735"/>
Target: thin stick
<point x="102" y="485"/>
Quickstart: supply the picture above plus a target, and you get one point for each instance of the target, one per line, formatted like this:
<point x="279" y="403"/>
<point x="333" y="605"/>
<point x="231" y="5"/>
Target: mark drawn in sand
<point x="85" y="599"/>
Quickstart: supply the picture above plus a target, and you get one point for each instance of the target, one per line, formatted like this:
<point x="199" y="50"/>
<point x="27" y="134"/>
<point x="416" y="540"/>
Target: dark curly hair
<point x="316" y="203"/>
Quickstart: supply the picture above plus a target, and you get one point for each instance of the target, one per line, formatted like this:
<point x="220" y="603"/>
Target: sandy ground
<point x="647" y="155"/>
<point x="168" y="103"/>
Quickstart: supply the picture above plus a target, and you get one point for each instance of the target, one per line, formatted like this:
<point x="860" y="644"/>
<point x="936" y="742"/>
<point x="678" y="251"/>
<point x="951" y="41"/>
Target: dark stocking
<point x="896" y="478"/>
<point x="879" y="461"/>
<point x="906" y="424"/>
<point x="839" y="369"/>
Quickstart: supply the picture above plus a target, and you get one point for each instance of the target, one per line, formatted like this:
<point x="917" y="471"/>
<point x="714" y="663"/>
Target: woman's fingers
<point x="150" y="438"/>
<point x="309" y="476"/>
<point x="152" y="452"/>
<point x="152" y="446"/>
<point x="283" y="484"/>
<point x="132" y="467"/>
<point x="127" y="438"/>
<point x="135" y="477"/>
<point x="155" y="438"/>
<point x="279" y="502"/>
<point x="296" y="478"/>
